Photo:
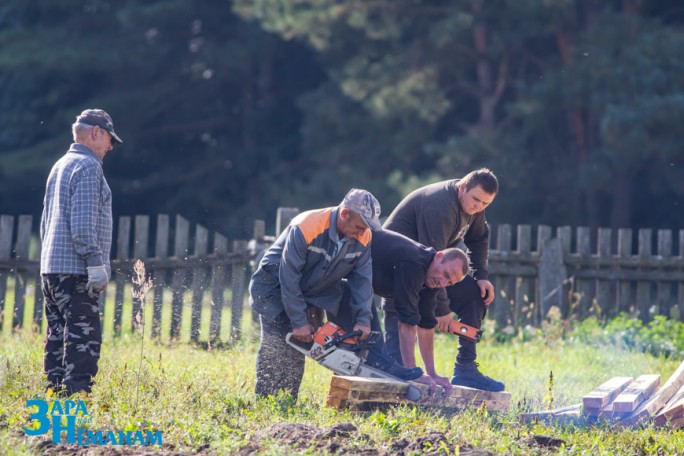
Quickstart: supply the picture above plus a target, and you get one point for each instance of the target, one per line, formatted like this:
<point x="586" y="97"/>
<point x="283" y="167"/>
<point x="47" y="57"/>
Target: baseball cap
<point x="365" y="204"/>
<point x="101" y="119"/>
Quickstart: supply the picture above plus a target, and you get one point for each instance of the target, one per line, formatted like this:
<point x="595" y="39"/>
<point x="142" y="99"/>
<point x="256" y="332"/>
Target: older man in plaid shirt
<point x="76" y="236"/>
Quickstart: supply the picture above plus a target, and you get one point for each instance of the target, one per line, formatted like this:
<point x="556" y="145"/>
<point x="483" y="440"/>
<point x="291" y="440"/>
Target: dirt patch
<point x="46" y="447"/>
<point x="345" y="439"/>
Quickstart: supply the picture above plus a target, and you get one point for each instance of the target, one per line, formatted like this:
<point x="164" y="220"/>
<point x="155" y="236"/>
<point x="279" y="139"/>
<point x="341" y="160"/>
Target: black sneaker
<point x="469" y="375"/>
<point x="403" y="373"/>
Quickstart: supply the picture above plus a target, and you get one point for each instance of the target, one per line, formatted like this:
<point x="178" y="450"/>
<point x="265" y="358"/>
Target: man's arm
<point x="85" y="200"/>
<point x="407" y="344"/>
<point x="477" y="241"/>
<point x="426" y="343"/>
<point x="290" y="274"/>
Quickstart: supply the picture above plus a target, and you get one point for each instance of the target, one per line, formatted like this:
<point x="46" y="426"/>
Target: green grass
<point x="203" y="397"/>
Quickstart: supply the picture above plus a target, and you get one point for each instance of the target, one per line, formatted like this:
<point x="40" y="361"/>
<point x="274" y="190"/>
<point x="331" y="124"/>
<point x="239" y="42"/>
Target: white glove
<point x="97" y="279"/>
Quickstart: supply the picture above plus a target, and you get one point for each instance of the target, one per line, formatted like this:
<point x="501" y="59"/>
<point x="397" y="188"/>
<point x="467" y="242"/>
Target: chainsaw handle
<point x="337" y="338"/>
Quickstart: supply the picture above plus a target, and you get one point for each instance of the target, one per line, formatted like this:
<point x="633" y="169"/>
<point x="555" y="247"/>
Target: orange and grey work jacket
<point x="310" y="265"/>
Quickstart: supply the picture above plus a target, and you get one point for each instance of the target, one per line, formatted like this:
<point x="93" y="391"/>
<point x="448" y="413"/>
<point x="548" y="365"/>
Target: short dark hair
<point x="457" y="254"/>
<point x="483" y="177"/>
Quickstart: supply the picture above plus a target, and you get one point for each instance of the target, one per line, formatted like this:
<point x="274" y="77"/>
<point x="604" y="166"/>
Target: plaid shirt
<point x="76" y="227"/>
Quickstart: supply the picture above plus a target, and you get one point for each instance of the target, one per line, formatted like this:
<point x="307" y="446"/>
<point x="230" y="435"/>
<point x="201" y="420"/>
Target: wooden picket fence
<point x="196" y="260"/>
<point x="576" y="271"/>
<point x="582" y="273"/>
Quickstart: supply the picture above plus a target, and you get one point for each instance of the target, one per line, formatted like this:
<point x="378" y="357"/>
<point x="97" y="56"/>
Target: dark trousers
<point x="465" y="301"/>
<point x="280" y="367"/>
<point x="74" y="333"/>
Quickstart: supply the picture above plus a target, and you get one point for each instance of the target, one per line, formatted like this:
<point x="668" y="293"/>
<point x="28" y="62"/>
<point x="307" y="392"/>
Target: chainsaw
<point x="464" y="331"/>
<point x="343" y="354"/>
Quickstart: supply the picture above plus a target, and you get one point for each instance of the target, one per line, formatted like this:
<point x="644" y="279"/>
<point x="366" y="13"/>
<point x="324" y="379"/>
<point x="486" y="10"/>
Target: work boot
<point x="469" y="375"/>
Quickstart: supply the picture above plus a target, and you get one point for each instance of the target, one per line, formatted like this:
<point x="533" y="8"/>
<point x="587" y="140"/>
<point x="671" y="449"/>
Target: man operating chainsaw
<point x="443" y="215"/>
<point x="322" y="255"/>
<point x="411" y="275"/>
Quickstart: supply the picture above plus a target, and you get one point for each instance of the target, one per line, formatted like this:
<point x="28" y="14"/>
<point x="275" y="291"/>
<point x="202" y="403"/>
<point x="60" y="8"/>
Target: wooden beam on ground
<point x="604" y="394"/>
<point x="636" y="393"/>
<point x="673" y="409"/>
<point x="354" y="392"/>
<point x="564" y="415"/>
<point x="657" y="401"/>
<point x="462" y="397"/>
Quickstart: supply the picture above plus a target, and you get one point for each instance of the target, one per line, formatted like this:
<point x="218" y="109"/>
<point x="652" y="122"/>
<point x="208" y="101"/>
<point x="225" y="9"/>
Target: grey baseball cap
<point x="366" y="205"/>
<point x="101" y="119"/>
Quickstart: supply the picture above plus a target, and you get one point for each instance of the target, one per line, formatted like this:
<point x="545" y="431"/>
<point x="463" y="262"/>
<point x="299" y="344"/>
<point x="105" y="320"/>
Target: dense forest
<point x="229" y="109"/>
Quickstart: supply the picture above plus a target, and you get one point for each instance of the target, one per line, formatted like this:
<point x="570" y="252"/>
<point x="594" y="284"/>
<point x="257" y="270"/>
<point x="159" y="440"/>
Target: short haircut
<point x="457" y="254"/>
<point x="483" y="177"/>
<point x="79" y="128"/>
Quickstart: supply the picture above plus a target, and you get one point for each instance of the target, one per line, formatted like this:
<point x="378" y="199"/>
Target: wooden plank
<point x="123" y="242"/>
<point x="6" y="232"/>
<point x="523" y="300"/>
<point x="658" y="400"/>
<point x="199" y="278"/>
<point x="368" y="384"/>
<point x="21" y="252"/>
<point x="601" y="396"/>
<point x="584" y="287"/>
<point x="180" y="251"/>
<point x="549" y="415"/>
<point x="140" y="244"/>
<point x="238" y="287"/>
<point x="501" y="307"/>
<point x="643" y="296"/>
<point x="218" y="281"/>
<point x="673" y="410"/>
<point x="161" y="247"/>
<point x="664" y="289"/>
<point x="603" y="287"/>
<point x="636" y="393"/>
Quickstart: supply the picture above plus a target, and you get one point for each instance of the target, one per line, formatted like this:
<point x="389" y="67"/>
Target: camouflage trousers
<point x="74" y="333"/>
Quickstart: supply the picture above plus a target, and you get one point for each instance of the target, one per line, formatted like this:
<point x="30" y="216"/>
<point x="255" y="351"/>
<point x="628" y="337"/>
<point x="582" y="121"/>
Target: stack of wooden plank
<point x="359" y="393"/>
<point x="627" y="401"/>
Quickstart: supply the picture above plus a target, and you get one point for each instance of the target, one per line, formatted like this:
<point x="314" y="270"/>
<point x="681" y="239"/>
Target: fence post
<point x="239" y="265"/>
<point x="218" y="283"/>
<point x="664" y="288"/>
<point x="160" y="252"/>
<point x="257" y="248"/>
<point x="603" y="287"/>
<point x="502" y="306"/>
<point x="140" y="240"/>
<point x="283" y="218"/>
<point x="122" y="244"/>
<point x="21" y="250"/>
<point x="522" y="284"/>
<point x="198" y="281"/>
<point x="552" y="276"/>
<point x="180" y="250"/>
<point x="6" y="231"/>
<point x="39" y="299"/>
<point x="583" y="287"/>
<point x="643" y="286"/>
<point x="624" y="251"/>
